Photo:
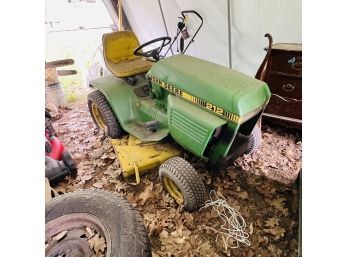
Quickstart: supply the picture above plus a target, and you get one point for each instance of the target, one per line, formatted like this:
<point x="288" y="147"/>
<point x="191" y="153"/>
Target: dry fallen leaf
<point x="219" y="193"/>
<point x="266" y="189"/>
<point x="277" y="232"/>
<point x="86" y="177"/>
<point x="98" y="184"/>
<point x="163" y="234"/>
<point x="104" y="156"/>
<point x="111" y="156"/>
<point x="180" y="240"/>
<point x="98" y="254"/>
<point x="89" y="232"/>
<point x="272" y="222"/>
<point x="97" y="243"/>
<point x="147" y="194"/>
<point x="276" y="251"/>
<point x="131" y="198"/>
<point x="232" y="174"/>
<point x="61" y="235"/>
<point x="243" y="195"/>
<point x="97" y="153"/>
<point x="288" y="152"/>
<point x="155" y="229"/>
<point x="206" y="249"/>
<point x="280" y="205"/>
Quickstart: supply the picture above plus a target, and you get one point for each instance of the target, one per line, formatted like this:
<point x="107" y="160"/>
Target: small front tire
<point x="183" y="183"/>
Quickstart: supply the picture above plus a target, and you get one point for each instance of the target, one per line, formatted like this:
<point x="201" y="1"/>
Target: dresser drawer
<point x="287" y="86"/>
<point x="287" y="107"/>
<point x="287" y="62"/>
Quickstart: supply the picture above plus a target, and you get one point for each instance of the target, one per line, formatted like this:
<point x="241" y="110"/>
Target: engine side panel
<point x="190" y="126"/>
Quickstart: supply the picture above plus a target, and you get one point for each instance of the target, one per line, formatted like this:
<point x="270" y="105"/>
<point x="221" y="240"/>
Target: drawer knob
<point x="297" y="66"/>
<point x="288" y="87"/>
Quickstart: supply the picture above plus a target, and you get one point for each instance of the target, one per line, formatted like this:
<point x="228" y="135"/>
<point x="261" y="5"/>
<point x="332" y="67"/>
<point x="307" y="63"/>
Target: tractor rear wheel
<point x="255" y="139"/>
<point x="183" y="183"/>
<point x="102" y="114"/>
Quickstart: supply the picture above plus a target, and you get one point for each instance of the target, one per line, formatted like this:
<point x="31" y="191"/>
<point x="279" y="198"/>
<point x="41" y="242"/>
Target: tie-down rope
<point x="233" y="222"/>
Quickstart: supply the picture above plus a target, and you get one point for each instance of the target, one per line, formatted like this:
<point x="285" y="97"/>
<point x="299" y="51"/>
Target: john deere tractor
<point x="156" y="108"/>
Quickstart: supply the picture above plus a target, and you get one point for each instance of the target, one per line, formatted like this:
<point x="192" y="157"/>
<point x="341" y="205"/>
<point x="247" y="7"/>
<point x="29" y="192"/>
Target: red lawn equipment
<point x="58" y="162"/>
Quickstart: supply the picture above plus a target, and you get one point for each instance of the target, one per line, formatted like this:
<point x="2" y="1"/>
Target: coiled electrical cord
<point x="233" y="222"/>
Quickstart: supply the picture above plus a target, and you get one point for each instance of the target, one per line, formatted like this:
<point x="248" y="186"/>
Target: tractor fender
<point x="120" y="96"/>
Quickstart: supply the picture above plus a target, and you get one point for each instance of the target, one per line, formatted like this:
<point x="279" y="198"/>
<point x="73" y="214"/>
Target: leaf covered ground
<point x="260" y="186"/>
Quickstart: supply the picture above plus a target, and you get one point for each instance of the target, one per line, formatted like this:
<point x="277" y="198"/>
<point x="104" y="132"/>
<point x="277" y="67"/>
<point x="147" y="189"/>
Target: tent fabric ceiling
<point x="233" y="31"/>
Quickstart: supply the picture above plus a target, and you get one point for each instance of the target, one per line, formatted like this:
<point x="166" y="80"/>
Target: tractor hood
<point x="214" y="87"/>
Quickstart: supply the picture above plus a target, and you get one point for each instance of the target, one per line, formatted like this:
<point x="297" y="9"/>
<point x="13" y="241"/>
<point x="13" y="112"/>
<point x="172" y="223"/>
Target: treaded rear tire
<point x="255" y="139"/>
<point x="114" y="129"/>
<point x="187" y="180"/>
<point x="128" y="235"/>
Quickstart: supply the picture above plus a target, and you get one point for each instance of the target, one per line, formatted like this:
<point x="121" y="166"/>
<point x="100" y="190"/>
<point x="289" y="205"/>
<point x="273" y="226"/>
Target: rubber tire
<point x="114" y="129"/>
<point x="255" y="139"/>
<point x="119" y="217"/>
<point x="69" y="163"/>
<point x="187" y="180"/>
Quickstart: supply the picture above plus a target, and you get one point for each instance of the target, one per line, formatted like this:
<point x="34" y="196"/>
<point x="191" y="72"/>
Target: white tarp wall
<point x="233" y="30"/>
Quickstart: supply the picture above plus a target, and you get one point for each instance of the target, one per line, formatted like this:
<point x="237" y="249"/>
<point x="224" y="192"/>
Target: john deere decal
<point x="219" y="111"/>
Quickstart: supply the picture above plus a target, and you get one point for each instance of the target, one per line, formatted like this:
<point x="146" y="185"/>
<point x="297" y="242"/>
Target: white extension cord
<point x="233" y="222"/>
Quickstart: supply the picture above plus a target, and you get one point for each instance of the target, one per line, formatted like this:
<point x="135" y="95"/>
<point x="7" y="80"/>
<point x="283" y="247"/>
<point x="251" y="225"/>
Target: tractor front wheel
<point x="183" y="183"/>
<point x="102" y="114"/>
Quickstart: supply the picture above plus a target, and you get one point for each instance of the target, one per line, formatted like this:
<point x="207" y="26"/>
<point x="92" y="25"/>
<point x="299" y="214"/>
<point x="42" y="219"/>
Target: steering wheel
<point x="154" y="53"/>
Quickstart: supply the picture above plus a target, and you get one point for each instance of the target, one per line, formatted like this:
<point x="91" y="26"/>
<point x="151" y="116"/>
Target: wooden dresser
<point x="282" y="71"/>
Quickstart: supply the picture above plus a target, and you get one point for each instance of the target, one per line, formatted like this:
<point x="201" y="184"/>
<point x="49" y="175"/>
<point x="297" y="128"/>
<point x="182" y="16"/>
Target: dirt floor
<point x="260" y="186"/>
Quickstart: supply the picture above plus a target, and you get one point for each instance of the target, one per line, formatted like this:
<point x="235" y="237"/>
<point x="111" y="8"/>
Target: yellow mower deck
<point x="136" y="156"/>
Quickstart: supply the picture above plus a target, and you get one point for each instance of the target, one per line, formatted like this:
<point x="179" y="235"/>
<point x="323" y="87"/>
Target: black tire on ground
<point x="127" y="233"/>
<point x="186" y="179"/>
<point x="255" y="139"/>
<point x="114" y="129"/>
<point x="69" y="163"/>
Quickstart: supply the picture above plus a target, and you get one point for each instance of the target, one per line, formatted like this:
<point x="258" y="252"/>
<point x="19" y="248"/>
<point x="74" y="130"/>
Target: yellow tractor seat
<point x="118" y="54"/>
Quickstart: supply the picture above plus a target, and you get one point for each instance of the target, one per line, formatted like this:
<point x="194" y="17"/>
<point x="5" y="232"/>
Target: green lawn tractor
<point x="154" y="107"/>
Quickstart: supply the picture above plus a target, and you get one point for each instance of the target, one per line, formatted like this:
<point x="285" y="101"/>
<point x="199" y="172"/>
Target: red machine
<point x="58" y="162"/>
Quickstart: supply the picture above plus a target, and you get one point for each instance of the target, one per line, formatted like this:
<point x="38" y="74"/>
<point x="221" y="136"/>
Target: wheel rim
<point x="173" y="190"/>
<point x="98" y="116"/>
<point x="73" y="244"/>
